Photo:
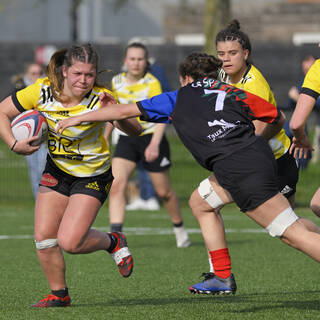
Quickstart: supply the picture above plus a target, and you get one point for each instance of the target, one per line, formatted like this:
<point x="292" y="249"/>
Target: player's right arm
<point x="8" y="111"/>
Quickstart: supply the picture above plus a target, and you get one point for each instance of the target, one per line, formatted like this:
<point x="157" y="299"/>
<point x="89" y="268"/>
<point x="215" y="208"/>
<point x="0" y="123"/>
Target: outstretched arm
<point x="106" y="113"/>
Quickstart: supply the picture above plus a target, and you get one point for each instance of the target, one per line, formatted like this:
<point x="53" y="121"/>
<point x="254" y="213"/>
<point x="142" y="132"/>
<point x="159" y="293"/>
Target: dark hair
<point x="199" y="65"/>
<point x="66" y="57"/>
<point x="233" y="33"/>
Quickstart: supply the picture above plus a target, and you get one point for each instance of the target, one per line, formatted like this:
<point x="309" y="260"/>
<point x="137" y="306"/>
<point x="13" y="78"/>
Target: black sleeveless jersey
<point x="213" y="119"/>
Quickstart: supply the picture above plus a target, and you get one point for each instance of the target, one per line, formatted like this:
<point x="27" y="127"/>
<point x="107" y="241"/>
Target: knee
<point x="195" y="204"/>
<point x="118" y="186"/>
<point x="165" y="194"/>
<point x="69" y="245"/>
<point x="193" y="201"/>
<point x="46" y="244"/>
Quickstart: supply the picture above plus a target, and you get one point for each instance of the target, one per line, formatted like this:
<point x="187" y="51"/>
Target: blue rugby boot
<point x="213" y="284"/>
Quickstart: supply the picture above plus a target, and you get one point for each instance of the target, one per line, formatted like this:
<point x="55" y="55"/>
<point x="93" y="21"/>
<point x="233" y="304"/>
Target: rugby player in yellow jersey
<point x="310" y="91"/>
<point x="77" y="176"/>
<point x="151" y="148"/>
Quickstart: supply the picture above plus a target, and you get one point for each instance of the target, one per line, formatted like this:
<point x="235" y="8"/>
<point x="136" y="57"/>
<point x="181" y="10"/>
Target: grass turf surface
<point x="274" y="281"/>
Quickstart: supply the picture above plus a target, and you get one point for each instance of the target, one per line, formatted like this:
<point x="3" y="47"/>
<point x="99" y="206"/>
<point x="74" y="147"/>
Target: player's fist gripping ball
<point x="29" y="124"/>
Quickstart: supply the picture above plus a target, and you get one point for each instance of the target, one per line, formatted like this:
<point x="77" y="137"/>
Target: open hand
<point x="299" y="148"/>
<point x="66" y="123"/>
<point x="106" y="99"/>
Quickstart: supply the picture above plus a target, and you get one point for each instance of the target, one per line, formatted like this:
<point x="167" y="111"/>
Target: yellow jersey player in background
<point x="151" y="148"/>
<point x="77" y="177"/>
<point x="310" y="91"/>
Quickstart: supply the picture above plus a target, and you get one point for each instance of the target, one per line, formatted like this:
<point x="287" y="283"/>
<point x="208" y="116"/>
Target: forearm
<point x="5" y="130"/>
<point x="108" y="131"/>
<point x="112" y="112"/>
<point x="270" y="130"/>
<point x="299" y="117"/>
<point x="130" y="126"/>
<point x="7" y="112"/>
<point x="158" y="134"/>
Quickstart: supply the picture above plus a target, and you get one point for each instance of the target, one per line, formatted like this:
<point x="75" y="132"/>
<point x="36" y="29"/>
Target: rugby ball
<point x="29" y="124"/>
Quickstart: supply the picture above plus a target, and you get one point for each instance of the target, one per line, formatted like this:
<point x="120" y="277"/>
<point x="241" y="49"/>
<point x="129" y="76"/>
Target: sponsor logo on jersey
<point x="225" y="129"/>
<point x="164" y="162"/>
<point x="93" y="185"/>
<point x="48" y="180"/>
<point x="222" y="123"/>
<point x="63" y="113"/>
<point x="286" y="189"/>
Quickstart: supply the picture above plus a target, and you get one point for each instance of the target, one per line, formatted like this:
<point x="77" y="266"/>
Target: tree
<point x="217" y="14"/>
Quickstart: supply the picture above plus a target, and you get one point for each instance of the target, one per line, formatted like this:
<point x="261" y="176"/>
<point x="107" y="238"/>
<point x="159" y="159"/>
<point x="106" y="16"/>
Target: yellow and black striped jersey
<point x="145" y="88"/>
<point x="311" y="83"/>
<point x="80" y="151"/>
<point x="254" y="82"/>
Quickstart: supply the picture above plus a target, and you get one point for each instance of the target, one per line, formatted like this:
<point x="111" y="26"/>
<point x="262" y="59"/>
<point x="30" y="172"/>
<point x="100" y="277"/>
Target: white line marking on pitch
<point x="143" y="231"/>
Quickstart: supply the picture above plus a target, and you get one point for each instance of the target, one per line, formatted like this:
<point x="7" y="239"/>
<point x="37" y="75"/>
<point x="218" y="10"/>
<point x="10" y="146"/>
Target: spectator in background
<point x="37" y="160"/>
<point x="151" y="147"/>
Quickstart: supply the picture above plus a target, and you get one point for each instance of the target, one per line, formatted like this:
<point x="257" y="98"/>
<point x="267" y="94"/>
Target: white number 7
<point x="220" y="98"/>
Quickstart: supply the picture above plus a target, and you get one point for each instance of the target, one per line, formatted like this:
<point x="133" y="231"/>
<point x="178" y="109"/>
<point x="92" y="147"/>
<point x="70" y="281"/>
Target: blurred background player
<point x="301" y="145"/>
<point x="37" y="160"/>
<point x="148" y="197"/>
<point x="151" y="148"/>
<point x="293" y="95"/>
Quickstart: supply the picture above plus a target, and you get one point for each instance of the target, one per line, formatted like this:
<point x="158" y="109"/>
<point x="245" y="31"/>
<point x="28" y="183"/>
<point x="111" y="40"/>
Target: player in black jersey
<point x="214" y="121"/>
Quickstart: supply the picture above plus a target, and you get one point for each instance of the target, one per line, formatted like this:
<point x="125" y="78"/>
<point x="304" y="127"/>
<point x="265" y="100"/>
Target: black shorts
<point x="288" y="174"/>
<point x="250" y="175"/>
<point x="133" y="148"/>
<point x="66" y="184"/>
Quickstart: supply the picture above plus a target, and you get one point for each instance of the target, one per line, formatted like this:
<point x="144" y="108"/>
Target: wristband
<point x="14" y="145"/>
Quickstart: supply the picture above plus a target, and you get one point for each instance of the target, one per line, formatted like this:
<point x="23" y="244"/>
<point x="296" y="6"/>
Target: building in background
<point x="172" y="28"/>
<point x="162" y="21"/>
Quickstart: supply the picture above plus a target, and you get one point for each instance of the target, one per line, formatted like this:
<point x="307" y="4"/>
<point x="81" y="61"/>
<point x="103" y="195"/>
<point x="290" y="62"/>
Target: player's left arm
<point x="263" y="111"/>
<point x="271" y="129"/>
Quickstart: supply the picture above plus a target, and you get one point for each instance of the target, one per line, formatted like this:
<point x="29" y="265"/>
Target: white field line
<point x="145" y="231"/>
